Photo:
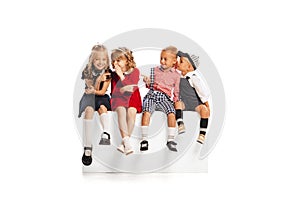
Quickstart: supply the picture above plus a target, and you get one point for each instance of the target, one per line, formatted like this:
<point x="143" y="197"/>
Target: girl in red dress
<point x="125" y="97"/>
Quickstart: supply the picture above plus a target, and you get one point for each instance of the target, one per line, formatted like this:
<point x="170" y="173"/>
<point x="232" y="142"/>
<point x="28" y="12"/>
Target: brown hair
<point x="125" y="53"/>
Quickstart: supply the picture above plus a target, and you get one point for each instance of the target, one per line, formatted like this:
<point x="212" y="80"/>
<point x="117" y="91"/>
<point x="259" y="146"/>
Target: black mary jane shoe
<point x="87" y="160"/>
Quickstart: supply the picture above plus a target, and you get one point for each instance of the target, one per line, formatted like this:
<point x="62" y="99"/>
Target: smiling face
<point x="100" y="60"/>
<point x="167" y="59"/>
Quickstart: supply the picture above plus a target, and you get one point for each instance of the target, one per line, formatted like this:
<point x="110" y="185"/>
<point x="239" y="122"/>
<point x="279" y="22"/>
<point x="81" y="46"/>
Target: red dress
<point x="126" y="99"/>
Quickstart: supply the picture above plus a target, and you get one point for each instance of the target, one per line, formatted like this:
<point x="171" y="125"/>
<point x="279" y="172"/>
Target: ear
<point x="190" y="67"/>
<point x="175" y="62"/>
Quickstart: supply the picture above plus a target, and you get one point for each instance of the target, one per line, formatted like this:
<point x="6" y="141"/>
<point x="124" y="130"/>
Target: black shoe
<point x="144" y="145"/>
<point x="172" y="146"/>
<point x="105" y="141"/>
<point x="86" y="160"/>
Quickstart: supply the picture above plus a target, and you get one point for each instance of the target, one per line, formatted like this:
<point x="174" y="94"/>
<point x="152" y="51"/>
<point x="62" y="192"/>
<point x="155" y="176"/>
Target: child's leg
<point x="125" y="147"/>
<point x="179" y="116"/>
<point x="104" y="120"/>
<point x="204" y="112"/>
<point x="171" y="144"/>
<point x="87" y="135"/>
<point x="131" y="114"/>
<point x="171" y="126"/>
<point x="145" y="127"/>
<point x="168" y="108"/>
<point x="88" y="128"/>
<point x="148" y="109"/>
<point x="121" y="112"/>
<point x="145" y="124"/>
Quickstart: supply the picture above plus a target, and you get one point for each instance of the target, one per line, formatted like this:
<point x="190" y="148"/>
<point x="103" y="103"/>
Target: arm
<point x="146" y="80"/>
<point x="104" y="88"/>
<point x="88" y="82"/>
<point x="200" y="88"/>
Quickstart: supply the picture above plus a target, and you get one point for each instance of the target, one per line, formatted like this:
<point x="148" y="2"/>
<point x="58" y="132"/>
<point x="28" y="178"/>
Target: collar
<point x="129" y="71"/>
<point x="97" y="72"/>
<point x="172" y="69"/>
<point x="189" y="74"/>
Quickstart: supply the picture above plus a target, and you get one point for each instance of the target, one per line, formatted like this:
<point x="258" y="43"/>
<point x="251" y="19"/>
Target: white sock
<point x="104" y="118"/>
<point x="144" y="132"/>
<point x="87" y="134"/>
<point x="171" y="135"/>
<point x="126" y="141"/>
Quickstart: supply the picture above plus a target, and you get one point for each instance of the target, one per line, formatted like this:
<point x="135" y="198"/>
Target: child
<point x="193" y="92"/>
<point x="163" y="84"/>
<point x="125" y="99"/>
<point x="95" y="99"/>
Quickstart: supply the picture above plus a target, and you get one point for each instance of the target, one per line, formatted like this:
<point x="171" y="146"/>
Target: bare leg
<point x="121" y="111"/>
<point x="171" y="120"/>
<point x="131" y="114"/>
<point x="146" y="118"/>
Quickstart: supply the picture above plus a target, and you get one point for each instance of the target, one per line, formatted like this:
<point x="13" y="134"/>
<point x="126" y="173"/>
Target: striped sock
<point x="203" y="125"/>
<point x="179" y="116"/>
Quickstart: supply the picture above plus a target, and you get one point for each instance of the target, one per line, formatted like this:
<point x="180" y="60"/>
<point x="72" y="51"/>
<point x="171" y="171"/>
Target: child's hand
<point x="127" y="88"/>
<point x="119" y="71"/>
<point x="104" y="77"/>
<point x="146" y="79"/>
<point x="90" y="90"/>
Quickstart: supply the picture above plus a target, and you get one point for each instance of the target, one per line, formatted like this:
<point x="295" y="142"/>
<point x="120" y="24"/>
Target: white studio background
<point x="253" y="44"/>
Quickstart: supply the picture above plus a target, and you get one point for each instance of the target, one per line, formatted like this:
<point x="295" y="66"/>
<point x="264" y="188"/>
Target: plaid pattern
<point x="151" y="78"/>
<point x="156" y="100"/>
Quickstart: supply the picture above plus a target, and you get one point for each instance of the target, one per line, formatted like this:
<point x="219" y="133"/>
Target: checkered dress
<point x="156" y="100"/>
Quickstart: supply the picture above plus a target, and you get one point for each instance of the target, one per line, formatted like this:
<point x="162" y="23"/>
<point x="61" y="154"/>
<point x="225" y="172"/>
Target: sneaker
<point x="87" y="160"/>
<point x="181" y="128"/>
<point x="172" y="146"/>
<point x="121" y="148"/>
<point x="128" y="149"/>
<point x="144" y="145"/>
<point x="105" y="140"/>
<point x="201" y="138"/>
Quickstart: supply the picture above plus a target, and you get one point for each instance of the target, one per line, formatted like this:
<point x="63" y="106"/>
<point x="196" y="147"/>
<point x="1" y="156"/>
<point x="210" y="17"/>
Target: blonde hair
<point x="171" y="49"/>
<point x="95" y="52"/>
<point x="123" y="52"/>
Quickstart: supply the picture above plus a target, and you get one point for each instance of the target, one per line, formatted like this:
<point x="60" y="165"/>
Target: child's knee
<point x="102" y="109"/>
<point x="179" y="105"/>
<point x="89" y="109"/>
<point x="171" y="116"/>
<point x="204" y="111"/>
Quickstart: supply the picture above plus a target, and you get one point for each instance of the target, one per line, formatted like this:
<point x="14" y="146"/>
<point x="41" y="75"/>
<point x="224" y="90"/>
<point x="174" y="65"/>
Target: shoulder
<point x="136" y="70"/>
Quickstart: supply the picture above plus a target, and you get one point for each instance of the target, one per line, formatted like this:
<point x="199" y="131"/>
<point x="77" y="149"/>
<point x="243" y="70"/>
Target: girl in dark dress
<point x="96" y="75"/>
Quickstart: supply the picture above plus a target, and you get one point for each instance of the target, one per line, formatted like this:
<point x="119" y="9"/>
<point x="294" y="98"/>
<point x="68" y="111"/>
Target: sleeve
<point x="132" y="78"/>
<point x="176" y="88"/>
<point x="201" y="88"/>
